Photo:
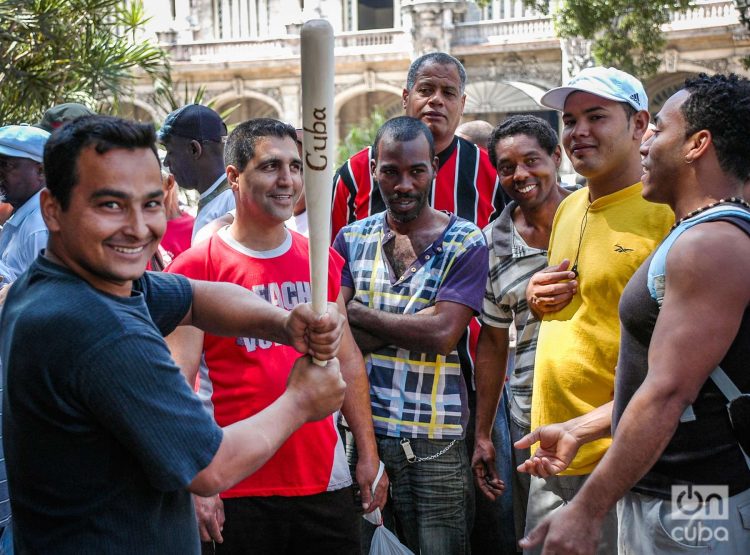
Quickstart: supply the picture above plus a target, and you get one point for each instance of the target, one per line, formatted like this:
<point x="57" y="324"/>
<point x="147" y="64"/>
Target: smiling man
<point x="526" y="154"/>
<point x="104" y="440"/>
<point x="677" y="442"/>
<point x="600" y="235"/>
<point x="413" y="278"/>
<point x="302" y="497"/>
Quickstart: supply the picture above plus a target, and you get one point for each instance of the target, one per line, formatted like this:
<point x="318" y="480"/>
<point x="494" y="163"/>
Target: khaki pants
<point x="652" y="526"/>
<point x="547" y="495"/>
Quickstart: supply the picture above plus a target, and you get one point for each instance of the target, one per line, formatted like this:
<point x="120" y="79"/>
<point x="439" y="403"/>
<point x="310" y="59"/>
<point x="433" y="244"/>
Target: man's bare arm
<point x="186" y="345"/>
<point x="490" y="368"/>
<point x="559" y="443"/>
<point x="366" y="342"/>
<point x="436" y="329"/>
<point x="313" y="392"/>
<point x="227" y="309"/>
<point x="358" y="413"/>
<point x="686" y="351"/>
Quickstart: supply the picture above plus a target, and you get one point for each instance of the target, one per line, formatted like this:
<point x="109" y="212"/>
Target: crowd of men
<point x="510" y="363"/>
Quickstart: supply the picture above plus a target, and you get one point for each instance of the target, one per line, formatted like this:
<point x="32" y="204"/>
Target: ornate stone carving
<point x="431" y="24"/>
<point x="238" y="86"/>
<point x="671" y="57"/>
<point x="513" y="67"/>
<point x="576" y="56"/>
<point x="369" y="78"/>
<point x="719" y="65"/>
<point x="272" y="92"/>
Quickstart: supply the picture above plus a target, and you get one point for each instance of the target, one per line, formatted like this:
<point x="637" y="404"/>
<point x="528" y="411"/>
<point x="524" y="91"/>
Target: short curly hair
<point x="528" y="125"/>
<point x="721" y="105"/>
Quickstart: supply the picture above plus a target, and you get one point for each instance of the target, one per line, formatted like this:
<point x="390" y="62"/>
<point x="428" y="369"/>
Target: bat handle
<point x="322" y="363"/>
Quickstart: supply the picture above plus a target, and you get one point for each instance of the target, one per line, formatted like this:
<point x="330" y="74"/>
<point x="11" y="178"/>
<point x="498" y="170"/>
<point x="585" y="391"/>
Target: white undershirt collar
<point x="283" y="248"/>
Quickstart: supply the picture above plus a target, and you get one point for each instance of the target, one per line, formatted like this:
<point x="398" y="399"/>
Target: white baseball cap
<point x="607" y="82"/>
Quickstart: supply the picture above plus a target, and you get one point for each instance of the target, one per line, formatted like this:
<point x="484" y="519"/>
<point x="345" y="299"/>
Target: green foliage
<point x="626" y="33"/>
<point x="54" y="51"/>
<point x="361" y="135"/>
<point x="166" y="97"/>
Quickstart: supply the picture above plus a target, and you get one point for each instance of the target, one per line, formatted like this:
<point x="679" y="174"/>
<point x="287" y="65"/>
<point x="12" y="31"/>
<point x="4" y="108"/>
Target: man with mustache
<point x="465" y="183"/>
<point x="600" y="235"/>
<point x="527" y="156"/>
<point x="413" y="278"/>
<point x="684" y="349"/>
<point x="301" y="500"/>
<point x="104" y="439"/>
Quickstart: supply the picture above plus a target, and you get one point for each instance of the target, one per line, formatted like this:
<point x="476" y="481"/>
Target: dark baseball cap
<point x="194" y="121"/>
<point x="62" y="113"/>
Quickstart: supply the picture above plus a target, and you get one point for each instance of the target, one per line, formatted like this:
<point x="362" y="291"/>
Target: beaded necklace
<point x="735" y="200"/>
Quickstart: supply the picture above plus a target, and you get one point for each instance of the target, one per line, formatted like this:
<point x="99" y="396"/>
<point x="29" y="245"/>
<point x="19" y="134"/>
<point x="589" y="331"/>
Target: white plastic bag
<point x="375" y="517"/>
<point x="384" y="542"/>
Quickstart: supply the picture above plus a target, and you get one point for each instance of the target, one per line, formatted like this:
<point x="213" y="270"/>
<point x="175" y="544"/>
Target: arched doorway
<point x="661" y="87"/>
<point x="357" y="110"/>
<point x="236" y="109"/>
<point x="493" y="101"/>
<point x="133" y="110"/>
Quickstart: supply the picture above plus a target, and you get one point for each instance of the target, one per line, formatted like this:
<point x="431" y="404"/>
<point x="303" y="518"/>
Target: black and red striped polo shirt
<point x="466" y="185"/>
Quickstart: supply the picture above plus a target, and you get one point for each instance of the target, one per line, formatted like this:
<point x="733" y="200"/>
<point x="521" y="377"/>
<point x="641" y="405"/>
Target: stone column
<point x="291" y="104"/>
<point x="431" y="24"/>
<point x="205" y="19"/>
<point x="576" y="55"/>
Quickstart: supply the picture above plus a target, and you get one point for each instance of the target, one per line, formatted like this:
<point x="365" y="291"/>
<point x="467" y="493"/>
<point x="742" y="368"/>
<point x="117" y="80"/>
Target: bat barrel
<point x="317" y="63"/>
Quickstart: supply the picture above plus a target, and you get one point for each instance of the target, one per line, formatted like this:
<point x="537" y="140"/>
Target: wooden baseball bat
<point x="317" y="142"/>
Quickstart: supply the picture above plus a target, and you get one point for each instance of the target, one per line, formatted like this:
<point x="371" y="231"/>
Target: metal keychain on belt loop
<point x="411" y="458"/>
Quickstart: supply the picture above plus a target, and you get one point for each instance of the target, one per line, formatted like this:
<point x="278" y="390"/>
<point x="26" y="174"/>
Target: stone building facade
<point x="246" y="53"/>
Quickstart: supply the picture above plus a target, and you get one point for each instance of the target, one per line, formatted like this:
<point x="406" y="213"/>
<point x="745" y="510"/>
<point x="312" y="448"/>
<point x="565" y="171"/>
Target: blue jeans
<point x="521" y="480"/>
<point x="494" y="527"/>
<point x="6" y="540"/>
<point x="433" y="501"/>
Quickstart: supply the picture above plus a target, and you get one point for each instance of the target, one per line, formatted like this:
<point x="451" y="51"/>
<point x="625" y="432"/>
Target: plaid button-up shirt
<point x="415" y="394"/>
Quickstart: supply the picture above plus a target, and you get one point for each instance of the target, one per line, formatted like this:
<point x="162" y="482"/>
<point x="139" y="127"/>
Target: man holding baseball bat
<point x="413" y="278"/>
<point x="301" y="500"/>
<point x="104" y="439"/>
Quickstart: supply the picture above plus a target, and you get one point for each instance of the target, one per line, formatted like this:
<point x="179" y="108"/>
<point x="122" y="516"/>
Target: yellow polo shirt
<point x="577" y="347"/>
